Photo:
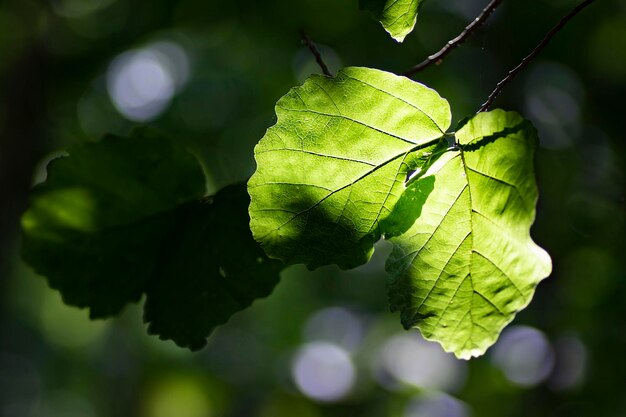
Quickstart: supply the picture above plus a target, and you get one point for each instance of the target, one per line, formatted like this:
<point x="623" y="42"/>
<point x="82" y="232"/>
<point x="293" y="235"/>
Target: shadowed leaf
<point x="94" y="227"/>
<point x="213" y="270"/>
<point x="124" y="216"/>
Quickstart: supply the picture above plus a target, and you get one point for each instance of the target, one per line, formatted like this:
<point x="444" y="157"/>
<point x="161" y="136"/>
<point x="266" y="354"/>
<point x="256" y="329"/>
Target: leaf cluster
<point x="353" y="158"/>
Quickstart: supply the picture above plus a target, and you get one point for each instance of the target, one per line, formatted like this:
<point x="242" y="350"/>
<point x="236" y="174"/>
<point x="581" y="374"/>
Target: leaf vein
<point x="341" y="158"/>
<point x="443" y="270"/>
<point x="400" y="99"/>
<point x="340" y="116"/>
<point x="499" y="269"/>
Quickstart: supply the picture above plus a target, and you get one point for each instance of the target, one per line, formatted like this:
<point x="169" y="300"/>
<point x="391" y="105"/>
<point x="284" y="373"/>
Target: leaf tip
<point x="399" y="37"/>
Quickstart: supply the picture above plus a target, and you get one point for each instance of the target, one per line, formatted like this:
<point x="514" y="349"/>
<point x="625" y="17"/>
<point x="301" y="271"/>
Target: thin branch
<point x="544" y="42"/>
<point x="448" y="47"/>
<point x="316" y="53"/>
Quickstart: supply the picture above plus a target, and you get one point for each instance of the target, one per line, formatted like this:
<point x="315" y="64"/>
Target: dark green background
<point x="243" y="56"/>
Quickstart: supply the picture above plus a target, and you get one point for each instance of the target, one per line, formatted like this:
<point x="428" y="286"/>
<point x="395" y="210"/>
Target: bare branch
<point x="544" y="42"/>
<point x="469" y="29"/>
<point x="316" y="53"/>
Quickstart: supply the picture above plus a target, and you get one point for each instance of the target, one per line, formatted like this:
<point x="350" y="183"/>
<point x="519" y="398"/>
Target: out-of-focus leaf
<point x="468" y="264"/>
<point x="125" y="216"/>
<point x="214" y="268"/>
<point x="94" y="226"/>
<point x="398" y="17"/>
<point x="334" y="166"/>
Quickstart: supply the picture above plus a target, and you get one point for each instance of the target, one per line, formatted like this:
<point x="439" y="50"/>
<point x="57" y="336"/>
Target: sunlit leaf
<point x="364" y="155"/>
<point x="398" y="17"/>
<point x="334" y="166"/>
<point x="468" y="264"/>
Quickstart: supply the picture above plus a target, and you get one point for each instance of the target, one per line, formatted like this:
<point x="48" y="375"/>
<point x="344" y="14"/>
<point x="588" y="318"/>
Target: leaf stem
<point x="544" y="42"/>
<point x="306" y="40"/>
<point x="436" y="58"/>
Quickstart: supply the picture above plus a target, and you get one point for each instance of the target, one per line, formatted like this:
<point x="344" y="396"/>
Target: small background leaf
<point x="398" y="17"/>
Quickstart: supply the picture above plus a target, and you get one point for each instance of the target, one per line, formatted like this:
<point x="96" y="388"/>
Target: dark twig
<point x="437" y="57"/>
<point x="544" y="42"/>
<point x="316" y="53"/>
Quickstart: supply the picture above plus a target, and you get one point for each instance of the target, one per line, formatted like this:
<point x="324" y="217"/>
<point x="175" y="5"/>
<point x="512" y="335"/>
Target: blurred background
<point x="324" y="344"/>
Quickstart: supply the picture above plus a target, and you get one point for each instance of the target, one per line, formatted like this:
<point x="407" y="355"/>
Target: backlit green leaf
<point x="468" y="264"/>
<point x="365" y="155"/>
<point x="397" y="16"/>
<point x="334" y="165"/>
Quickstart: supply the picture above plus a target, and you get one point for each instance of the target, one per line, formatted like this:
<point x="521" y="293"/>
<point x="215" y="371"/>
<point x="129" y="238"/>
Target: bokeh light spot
<point x="142" y="83"/>
<point x="436" y="405"/>
<point x="571" y="364"/>
<point x="323" y="371"/>
<point x="336" y="325"/>
<point x="411" y="360"/>
<point x="524" y="355"/>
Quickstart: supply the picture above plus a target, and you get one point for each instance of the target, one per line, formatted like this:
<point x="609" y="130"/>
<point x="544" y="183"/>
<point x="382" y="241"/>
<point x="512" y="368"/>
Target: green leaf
<point x="124" y="216"/>
<point x="334" y="166"/>
<point x="364" y="155"/>
<point x="214" y="269"/>
<point x="468" y="264"/>
<point x="95" y="225"/>
<point x="397" y="16"/>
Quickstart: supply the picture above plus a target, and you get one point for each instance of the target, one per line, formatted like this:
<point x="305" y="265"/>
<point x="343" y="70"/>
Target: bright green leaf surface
<point x="397" y="16"/>
<point x="468" y="264"/>
<point x="364" y="155"/>
<point x="333" y="168"/>
<point x="124" y="216"/>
